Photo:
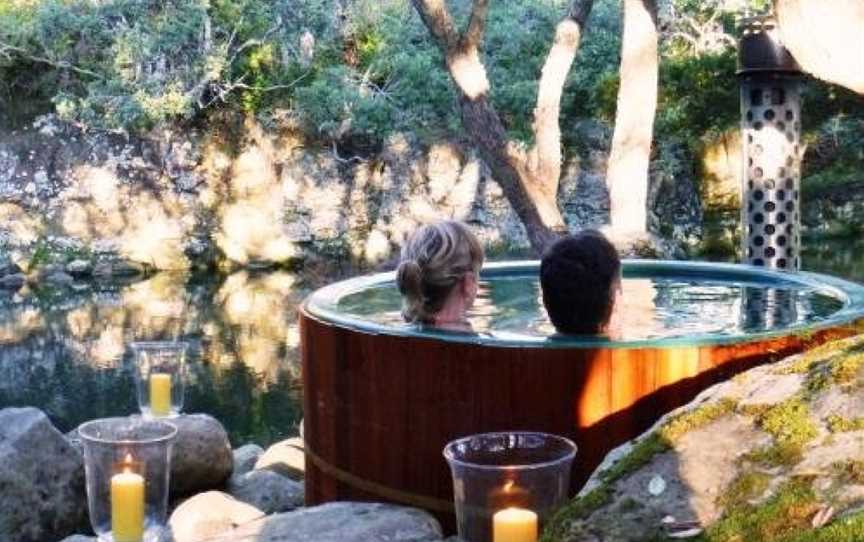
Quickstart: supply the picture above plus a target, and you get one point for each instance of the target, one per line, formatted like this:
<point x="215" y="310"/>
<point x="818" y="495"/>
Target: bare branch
<point x="5" y="49"/>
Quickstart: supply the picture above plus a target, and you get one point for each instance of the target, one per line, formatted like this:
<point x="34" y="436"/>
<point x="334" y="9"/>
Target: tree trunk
<point x="826" y="38"/>
<point x="528" y="177"/>
<point x="538" y="210"/>
<point x="627" y="172"/>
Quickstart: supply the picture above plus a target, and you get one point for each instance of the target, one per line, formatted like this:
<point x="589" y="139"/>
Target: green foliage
<point x="698" y="96"/>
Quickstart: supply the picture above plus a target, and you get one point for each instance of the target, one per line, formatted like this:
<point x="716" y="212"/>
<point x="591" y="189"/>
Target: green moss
<point x="850" y="471"/>
<point x="696" y="418"/>
<point x="777" y="455"/>
<point x="629" y="504"/>
<point x="845" y="369"/>
<point x="849" y="529"/>
<point x="789" y="422"/>
<point x="785" y="514"/>
<point x="641" y="454"/>
<point x="745" y="488"/>
<point x="839" y="424"/>
<point x="579" y="508"/>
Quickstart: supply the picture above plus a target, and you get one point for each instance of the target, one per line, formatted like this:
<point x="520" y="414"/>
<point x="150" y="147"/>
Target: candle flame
<point x="127" y="464"/>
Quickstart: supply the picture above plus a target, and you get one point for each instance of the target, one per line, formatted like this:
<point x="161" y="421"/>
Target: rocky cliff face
<point x="241" y="195"/>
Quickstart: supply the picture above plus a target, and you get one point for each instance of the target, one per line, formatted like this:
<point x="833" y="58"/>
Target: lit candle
<point x="514" y="525"/>
<point x="127" y="506"/>
<point x="160" y="394"/>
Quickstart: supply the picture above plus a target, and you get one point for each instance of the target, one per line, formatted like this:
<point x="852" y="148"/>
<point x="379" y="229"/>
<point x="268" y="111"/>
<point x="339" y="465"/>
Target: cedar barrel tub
<point x="382" y="399"/>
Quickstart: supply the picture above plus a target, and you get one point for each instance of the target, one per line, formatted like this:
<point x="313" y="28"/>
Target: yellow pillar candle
<point x="514" y="525"/>
<point x="160" y="394"/>
<point x="127" y="507"/>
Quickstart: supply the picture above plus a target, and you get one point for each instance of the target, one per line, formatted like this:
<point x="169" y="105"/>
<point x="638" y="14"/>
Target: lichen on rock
<point x="772" y="455"/>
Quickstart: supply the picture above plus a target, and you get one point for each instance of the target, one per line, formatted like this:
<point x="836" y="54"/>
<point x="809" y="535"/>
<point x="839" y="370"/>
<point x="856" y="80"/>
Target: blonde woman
<point x="438" y="274"/>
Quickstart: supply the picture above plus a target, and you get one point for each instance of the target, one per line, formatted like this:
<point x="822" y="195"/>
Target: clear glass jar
<point x="160" y="377"/>
<point x="128" y="464"/>
<point x="507" y="485"/>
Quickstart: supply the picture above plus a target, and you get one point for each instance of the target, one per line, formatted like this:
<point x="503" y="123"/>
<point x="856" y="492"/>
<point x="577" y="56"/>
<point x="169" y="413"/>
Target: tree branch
<point x="476" y="24"/>
<point x="5" y="48"/>
<point x="437" y="19"/>
<point x="546" y="155"/>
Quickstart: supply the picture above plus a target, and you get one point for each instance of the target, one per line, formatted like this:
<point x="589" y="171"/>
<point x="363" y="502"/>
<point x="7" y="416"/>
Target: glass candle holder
<point x="159" y="377"/>
<point x="507" y="485"/>
<point x="127" y="466"/>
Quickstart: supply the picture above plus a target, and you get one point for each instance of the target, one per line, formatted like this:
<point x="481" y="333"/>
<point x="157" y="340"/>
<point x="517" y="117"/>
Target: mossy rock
<point x="742" y="462"/>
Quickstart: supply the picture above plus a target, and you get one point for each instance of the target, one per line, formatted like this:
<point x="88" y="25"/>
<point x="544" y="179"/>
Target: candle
<point x="160" y="394"/>
<point x="127" y="506"/>
<point x="514" y="525"/>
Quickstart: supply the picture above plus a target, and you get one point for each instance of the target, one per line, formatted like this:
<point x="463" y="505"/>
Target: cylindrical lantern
<point x="771" y="136"/>
<point x="507" y="485"/>
<point x="160" y="373"/>
<point x="128" y="464"/>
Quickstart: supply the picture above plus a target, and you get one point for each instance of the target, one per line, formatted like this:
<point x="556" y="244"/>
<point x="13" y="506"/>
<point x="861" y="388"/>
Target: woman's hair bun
<point x="409" y="278"/>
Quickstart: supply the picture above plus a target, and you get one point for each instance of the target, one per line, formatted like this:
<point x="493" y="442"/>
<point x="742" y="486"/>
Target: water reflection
<point x="648" y="308"/>
<point x="67" y="353"/>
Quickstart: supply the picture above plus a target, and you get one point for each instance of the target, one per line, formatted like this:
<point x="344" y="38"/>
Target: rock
<point x="41" y="479"/>
<point x="79" y="268"/>
<point x="245" y="458"/>
<point x="268" y="491"/>
<point x="285" y="458"/>
<point x="340" y="522"/>
<point x="58" y="278"/>
<point x="208" y="515"/>
<point x="127" y="269"/>
<point x="201" y="458"/>
<point x="102" y="270"/>
<point x="13" y="281"/>
<point x="774" y="451"/>
<point x="8" y="267"/>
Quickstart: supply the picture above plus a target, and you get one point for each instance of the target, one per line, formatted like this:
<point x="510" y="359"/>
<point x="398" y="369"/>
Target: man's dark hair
<point x="577" y="275"/>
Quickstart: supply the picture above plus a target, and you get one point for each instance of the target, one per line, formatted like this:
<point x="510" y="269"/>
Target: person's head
<point x="580" y="276"/>
<point x="439" y="266"/>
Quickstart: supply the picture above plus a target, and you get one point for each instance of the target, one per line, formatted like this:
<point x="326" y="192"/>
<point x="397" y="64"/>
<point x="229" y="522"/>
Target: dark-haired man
<point x="580" y="276"/>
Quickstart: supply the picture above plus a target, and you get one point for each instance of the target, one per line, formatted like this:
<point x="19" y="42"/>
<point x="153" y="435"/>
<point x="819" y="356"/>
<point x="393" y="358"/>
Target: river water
<point x="66" y="352"/>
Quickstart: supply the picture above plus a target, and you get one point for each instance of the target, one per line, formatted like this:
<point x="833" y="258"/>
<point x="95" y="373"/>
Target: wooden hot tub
<point x="381" y="401"/>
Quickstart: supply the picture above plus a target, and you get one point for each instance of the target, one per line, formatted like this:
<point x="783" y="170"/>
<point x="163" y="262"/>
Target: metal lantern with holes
<point x="771" y="133"/>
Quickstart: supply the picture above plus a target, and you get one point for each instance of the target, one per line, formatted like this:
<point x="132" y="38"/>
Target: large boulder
<point x="772" y="454"/>
<point x="42" y="494"/>
<point x="336" y="522"/>
<point x="202" y="457"/>
<point x="267" y="490"/>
